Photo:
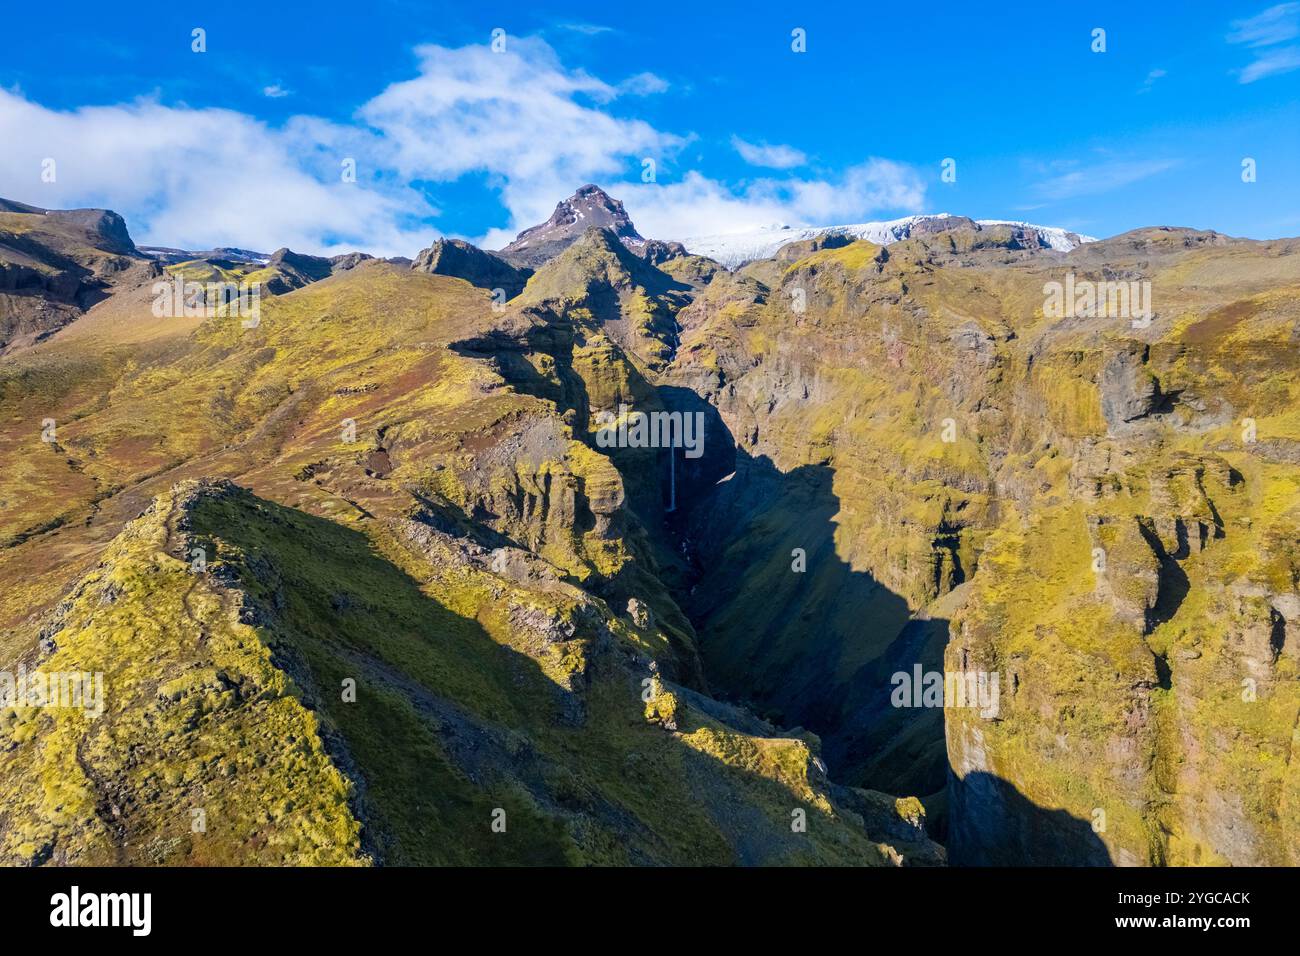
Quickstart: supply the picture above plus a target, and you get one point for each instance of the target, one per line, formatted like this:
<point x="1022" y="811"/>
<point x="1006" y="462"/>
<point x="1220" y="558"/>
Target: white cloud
<point x="201" y="178"/>
<point x="1100" y="177"/>
<point x="698" y="206"/>
<point x="519" y="116"/>
<point x="761" y="154"/>
<point x="1275" y="25"/>
<point x="275" y="91"/>
<point x="531" y="128"/>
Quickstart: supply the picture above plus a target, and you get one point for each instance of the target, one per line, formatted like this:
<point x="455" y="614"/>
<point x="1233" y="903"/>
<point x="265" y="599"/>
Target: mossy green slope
<point x="203" y="753"/>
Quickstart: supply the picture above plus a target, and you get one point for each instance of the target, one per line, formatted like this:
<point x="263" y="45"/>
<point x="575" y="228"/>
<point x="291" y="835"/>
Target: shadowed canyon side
<point x="399" y="557"/>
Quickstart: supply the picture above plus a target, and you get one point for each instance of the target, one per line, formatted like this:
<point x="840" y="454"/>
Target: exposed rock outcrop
<point x="455" y="257"/>
<point x="588" y="208"/>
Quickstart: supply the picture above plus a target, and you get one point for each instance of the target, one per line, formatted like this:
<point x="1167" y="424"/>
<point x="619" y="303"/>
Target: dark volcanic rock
<point x="348" y="261"/>
<point x="657" y="251"/>
<point x="296" y="270"/>
<point x="455" y="257"/>
<point x="589" y="206"/>
<point x="946" y="224"/>
<point x="794" y="251"/>
<point x="106" y="227"/>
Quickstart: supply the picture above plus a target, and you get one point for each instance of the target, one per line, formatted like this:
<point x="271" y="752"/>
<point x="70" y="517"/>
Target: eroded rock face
<point x="107" y="228"/>
<point x="1128" y="390"/>
<point x="56" y="264"/>
<point x="1152" y="692"/>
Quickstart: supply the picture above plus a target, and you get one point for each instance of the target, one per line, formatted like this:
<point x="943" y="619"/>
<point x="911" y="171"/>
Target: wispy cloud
<point x="773" y="157"/>
<point x="1282" y="60"/>
<point x="1275" y="25"/>
<point x="587" y="29"/>
<point x="275" y="91"/>
<point x="643" y="84"/>
<point x="1262" y="33"/>
<point x="1151" y="79"/>
<point x="1070" y="179"/>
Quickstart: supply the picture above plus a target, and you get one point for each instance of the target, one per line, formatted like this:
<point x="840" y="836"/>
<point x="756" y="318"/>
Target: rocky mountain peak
<point x="589" y="206"/>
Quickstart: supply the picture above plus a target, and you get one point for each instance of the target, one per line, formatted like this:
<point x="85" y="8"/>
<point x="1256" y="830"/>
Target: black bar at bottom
<point x="260" y="906"/>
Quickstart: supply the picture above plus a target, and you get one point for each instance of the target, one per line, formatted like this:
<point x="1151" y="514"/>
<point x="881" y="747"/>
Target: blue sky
<point x="243" y="144"/>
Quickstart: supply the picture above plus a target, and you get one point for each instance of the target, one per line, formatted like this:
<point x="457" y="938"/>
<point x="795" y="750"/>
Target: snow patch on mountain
<point x="733" y="249"/>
